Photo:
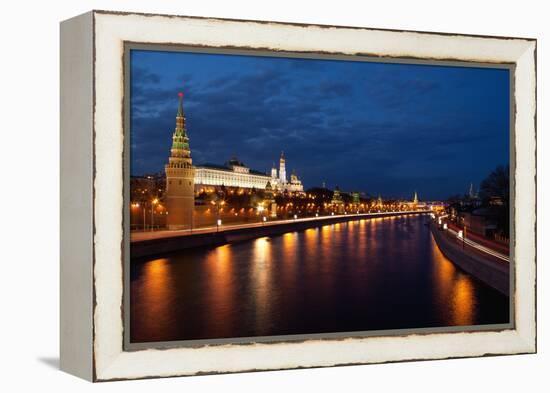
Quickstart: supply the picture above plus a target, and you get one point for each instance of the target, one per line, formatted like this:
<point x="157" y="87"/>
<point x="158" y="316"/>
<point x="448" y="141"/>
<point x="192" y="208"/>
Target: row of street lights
<point x="219" y="204"/>
<point x="154" y="203"/>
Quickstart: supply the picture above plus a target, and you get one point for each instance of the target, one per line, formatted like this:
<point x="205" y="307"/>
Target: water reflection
<point x="455" y="290"/>
<point x="363" y="275"/>
<point x="220" y="284"/>
<point x="261" y="282"/>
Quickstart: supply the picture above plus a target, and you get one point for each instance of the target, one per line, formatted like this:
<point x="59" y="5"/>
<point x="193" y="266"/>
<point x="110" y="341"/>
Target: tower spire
<point x="180" y="153"/>
<point x="180" y="116"/>
<point x="180" y="105"/>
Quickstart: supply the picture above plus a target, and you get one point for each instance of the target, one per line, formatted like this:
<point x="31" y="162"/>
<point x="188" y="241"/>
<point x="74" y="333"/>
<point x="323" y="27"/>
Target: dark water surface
<point x="384" y="273"/>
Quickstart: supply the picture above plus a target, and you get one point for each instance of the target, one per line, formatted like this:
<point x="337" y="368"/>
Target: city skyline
<point x="349" y="124"/>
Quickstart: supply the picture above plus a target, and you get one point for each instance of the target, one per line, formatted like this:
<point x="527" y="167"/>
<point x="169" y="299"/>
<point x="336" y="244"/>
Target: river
<point x="371" y="274"/>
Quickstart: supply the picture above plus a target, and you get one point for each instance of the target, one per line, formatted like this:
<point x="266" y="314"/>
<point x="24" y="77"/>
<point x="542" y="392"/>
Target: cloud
<point x="143" y="76"/>
<point x="354" y="124"/>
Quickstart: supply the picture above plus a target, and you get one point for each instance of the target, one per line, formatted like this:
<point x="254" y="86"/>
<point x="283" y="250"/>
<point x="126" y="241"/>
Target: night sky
<point x="382" y="128"/>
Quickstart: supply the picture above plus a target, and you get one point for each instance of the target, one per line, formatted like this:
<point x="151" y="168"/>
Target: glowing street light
<point x="154" y="202"/>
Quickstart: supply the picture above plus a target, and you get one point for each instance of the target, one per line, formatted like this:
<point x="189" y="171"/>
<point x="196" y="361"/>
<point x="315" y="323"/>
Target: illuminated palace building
<point x="235" y="174"/>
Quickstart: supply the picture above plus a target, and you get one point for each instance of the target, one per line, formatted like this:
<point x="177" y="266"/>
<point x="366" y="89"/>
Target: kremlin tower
<point x="180" y="177"/>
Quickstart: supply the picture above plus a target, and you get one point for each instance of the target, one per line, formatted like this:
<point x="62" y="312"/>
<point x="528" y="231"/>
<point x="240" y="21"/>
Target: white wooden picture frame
<point x="92" y="183"/>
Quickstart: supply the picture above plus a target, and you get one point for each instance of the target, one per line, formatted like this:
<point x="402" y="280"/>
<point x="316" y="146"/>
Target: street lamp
<point x="153" y="204"/>
<point x="218" y="219"/>
<point x="136" y="205"/>
<point x="260" y="211"/>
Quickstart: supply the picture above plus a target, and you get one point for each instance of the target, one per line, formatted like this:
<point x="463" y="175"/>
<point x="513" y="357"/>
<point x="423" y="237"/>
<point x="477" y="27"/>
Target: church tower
<point x="282" y="170"/>
<point x="273" y="172"/>
<point x="180" y="177"/>
<point x="471" y="193"/>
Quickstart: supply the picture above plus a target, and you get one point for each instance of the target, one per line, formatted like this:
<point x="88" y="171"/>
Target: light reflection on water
<point x="383" y="273"/>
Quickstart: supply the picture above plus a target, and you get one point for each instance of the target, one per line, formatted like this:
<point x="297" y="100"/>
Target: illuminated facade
<point x="232" y="174"/>
<point x="337" y="201"/>
<point x="280" y="183"/>
<point x="235" y="174"/>
<point x="180" y="175"/>
<point x="282" y="169"/>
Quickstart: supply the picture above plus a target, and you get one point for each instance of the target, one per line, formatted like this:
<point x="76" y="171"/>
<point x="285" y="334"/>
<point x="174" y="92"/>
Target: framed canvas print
<point x="246" y="195"/>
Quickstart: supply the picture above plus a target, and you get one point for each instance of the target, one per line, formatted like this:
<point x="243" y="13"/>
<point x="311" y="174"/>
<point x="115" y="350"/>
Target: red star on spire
<point x="180" y="94"/>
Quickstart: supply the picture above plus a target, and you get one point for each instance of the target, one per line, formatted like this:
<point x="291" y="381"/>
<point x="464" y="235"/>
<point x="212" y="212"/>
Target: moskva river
<point x="373" y="274"/>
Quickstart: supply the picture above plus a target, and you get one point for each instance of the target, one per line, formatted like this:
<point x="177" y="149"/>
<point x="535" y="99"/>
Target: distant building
<point x="416" y="204"/>
<point x="337" y="201"/>
<point x="473" y="196"/>
<point x="482" y="221"/>
<point x="379" y="202"/>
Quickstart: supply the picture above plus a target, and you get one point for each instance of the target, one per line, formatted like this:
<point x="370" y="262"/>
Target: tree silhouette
<point x="497" y="184"/>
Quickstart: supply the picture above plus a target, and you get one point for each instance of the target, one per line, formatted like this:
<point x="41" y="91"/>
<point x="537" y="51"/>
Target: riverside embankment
<point x="146" y="244"/>
<point x="484" y="267"/>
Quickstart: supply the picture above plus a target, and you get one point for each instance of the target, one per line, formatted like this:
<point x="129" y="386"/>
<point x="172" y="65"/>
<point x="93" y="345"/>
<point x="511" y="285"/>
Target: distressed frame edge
<point x="526" y="235"/>
<point x="526" y="340"/>
<point x="76" y="208"/>
<point x="304" y="24"/>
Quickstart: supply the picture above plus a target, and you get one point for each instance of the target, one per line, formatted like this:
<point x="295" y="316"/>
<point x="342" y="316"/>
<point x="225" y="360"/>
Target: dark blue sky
<point x="375" y="127"/>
